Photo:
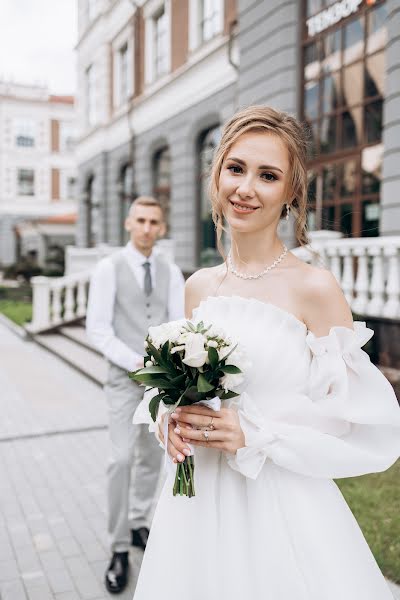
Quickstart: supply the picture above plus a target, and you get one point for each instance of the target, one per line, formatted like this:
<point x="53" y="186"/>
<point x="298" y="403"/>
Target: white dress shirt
<point x="100" y="309"/>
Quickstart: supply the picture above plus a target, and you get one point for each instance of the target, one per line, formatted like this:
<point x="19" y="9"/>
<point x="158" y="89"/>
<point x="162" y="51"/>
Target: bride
<point x="267" y="521"/>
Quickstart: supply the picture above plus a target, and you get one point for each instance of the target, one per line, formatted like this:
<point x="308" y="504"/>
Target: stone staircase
<point x="69" y="342"/>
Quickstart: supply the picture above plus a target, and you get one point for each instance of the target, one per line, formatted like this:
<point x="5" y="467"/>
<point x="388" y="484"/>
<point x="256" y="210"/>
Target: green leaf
<point x="151" y="370"/>
<point x="230" y="369"/>
<point x="203" y="385"/>
<point x="227" y="395"/>
<point x="213" y="357"/>
<point x="154" y="404"/>
<point x="179" y="380"/>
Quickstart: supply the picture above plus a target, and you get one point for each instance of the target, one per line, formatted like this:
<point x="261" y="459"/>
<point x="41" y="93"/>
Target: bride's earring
<point x="287" y="212"/>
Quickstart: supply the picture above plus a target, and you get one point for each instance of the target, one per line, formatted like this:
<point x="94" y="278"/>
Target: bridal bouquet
<point x="187" y="363"/>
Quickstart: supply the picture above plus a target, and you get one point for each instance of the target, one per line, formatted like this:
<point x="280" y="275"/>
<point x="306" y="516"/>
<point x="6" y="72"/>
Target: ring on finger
<point x="206" y="435"/>
<point x="210" y="425"/>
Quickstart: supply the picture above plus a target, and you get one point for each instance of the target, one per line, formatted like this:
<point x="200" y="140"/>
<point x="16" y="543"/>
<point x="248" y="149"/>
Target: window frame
<point x="151" y="12"/>
<point x="25" y="170"/>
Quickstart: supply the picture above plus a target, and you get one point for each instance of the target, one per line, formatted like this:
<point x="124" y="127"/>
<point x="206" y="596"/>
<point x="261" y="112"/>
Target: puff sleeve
<point x="349" y="423"/>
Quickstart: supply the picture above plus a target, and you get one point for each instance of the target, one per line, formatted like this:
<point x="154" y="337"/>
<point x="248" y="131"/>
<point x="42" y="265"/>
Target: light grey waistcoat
<point x="134" y="312"/>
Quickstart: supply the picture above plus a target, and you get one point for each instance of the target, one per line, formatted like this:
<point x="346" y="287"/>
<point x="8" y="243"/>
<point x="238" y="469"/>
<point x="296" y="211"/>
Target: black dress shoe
<point x="140" y="537"/>
<point x="117" y="573"/>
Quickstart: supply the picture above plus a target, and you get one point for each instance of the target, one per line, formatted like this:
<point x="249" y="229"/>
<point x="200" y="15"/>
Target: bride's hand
<point x="221" y="427"/>
<point x="177" y="449"/>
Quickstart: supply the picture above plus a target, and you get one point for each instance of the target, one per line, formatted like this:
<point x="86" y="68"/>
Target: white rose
<point x="195" y="355"/>
<point x="177" y="349"/>
<point x="212" y="344"/>
<point x="239" y="359"/>
<point x="216" y="332"/>
<point x="166" y="332"/>
<point x="149" y="363"/>
<point x="222" y="352"/>
<point x="230" y="382"/>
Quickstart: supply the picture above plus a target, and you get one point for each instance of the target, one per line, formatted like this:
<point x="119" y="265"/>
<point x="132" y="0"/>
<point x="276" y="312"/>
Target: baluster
<point x="348" y="273"/>
<point x="81" y="298"/>
<point x="40" y="304"/>
<point x="69" y="303"/>
<point x="334" y="262"/>
<point x="377" y="288"/>
<point x="56" y="305"/>
<point x="361" y="286"/>
<point x="392" y="305"/>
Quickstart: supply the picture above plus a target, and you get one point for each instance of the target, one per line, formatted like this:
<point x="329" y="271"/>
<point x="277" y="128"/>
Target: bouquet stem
<point x="184" y="478"/>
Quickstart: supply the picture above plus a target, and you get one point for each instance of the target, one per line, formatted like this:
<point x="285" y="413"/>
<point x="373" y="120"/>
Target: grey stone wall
<point x="7" y="240"/>
<point x="390" y="203"/>
<point x="268" y="41"/>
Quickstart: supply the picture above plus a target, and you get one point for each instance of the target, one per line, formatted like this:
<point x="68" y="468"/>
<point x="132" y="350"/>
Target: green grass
<point x="375" y="502"/>
<point x="17" y="311"/>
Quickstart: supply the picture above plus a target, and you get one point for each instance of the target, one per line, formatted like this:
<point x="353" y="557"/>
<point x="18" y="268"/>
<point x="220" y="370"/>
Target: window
<point x="25" y="133"/>
<point x="67" y="138"/>
<point x="25" y="182"/>
<point x="206" y="21"/>
<point x="209" y="19"/>
<point x="160" y="44"/>
<point x="343" y="92"/>
<point x="123" y="72"/>
<point x="71" y="188"/>
<point x="91" y="115"/>
<point x="162" y="180"/>
<point x="208" y="253"/>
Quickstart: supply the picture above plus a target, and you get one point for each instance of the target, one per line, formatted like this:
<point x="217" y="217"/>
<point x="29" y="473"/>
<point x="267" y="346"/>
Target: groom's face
<point x="145" y="225"/>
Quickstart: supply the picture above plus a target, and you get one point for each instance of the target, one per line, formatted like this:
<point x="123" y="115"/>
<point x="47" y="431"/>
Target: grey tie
<point x="147" y="278"/>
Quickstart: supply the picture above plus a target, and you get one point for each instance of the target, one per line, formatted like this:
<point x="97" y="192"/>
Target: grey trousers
<point x="133" y="451"/>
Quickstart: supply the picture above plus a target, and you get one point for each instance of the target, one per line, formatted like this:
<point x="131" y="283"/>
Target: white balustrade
<point x="58" y="300"/>
<point x="368" y="270"/>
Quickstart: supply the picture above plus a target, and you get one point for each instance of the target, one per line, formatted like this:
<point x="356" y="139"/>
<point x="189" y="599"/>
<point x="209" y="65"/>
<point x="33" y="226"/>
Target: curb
<point x="17" y="329"/>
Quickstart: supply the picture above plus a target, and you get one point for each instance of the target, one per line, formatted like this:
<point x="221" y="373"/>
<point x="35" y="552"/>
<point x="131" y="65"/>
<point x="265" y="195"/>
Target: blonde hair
<point x="146" y="201"/>
<point x="291" y="132"/>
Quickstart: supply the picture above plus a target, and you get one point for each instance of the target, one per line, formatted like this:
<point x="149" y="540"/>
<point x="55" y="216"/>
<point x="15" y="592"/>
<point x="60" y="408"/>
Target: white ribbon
<point x="213" y="403"/>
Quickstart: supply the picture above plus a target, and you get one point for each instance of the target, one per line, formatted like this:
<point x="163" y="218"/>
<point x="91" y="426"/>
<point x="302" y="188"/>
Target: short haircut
<point x="147" y="201"/>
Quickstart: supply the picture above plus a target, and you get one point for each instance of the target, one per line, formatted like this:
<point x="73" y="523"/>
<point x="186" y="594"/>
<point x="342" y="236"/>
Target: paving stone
<point x="8" y="570"/>
<point x="60" y="580"/>
<point x="12" y="590"/>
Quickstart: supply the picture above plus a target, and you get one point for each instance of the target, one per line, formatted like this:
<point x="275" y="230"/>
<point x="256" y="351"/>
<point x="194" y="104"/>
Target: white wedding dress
<point x="269" y="523"/>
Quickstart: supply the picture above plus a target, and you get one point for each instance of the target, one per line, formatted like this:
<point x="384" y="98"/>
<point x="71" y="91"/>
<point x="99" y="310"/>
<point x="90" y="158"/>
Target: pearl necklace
<point x="266" y="270"/>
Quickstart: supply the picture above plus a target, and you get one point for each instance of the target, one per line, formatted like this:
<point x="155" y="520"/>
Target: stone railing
<point x="58" y="301"/>
<point x="367" y="269"/>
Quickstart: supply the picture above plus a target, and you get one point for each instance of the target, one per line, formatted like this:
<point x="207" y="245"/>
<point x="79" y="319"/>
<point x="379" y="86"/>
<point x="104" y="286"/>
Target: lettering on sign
<point x="332" y="15"/>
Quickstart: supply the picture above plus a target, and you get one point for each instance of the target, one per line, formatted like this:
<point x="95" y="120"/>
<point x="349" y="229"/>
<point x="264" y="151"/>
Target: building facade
<point x="38" y="174"/>
<point x="158" y="78"/>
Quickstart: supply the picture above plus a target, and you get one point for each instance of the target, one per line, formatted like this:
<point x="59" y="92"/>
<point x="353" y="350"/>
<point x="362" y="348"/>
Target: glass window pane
<point x="375" y="75"/>
<point x="346" y="219"/>
<point x="311" y="100"/>
<point x="330" y="92"/>
<point x="328" y="183"/>
<point x="351" y="128"/>
<point x="328" y="134"/>
<point x="377" y="29"/>
<point x="331" y="51"/>
<point x="348" y="178"/>
<point x="313" y="131"/>
<point x="311" y="219"/>
<point x="328" y="218"/>
<point x="371" y="169"/>
<point x="311" y="61"/>
<point x="373" y="121"/>
<point x="208" y="252"/>
<point x="370" y="219"/>
<point x="353" y="41"/>
<point x="312" y="185"/>
<point x="353" y="84"/>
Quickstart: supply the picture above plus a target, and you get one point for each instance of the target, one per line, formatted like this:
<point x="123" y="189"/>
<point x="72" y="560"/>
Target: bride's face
<point x="253" y="182"/>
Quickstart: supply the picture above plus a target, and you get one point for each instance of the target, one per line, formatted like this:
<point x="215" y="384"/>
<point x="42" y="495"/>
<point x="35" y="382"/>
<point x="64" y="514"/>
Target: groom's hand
<point x="202" y="426"/>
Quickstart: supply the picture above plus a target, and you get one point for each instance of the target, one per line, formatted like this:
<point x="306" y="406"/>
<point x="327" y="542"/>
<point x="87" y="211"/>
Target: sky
<point x="37" y="43"/>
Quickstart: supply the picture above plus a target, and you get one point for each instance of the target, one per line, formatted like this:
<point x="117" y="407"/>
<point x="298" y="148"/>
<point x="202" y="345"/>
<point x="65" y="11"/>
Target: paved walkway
<point x="53" y="453"/>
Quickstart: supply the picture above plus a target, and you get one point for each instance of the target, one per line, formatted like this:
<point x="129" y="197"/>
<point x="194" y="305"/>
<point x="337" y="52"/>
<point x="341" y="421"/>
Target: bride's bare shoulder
<point x="201" y="284"/>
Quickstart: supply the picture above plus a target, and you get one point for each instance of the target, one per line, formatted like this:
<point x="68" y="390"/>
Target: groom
<point x="131" y="290"/>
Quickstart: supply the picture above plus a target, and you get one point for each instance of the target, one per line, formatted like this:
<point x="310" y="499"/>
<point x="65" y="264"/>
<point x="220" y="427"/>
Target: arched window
<point x="162" y="180"/>
<point x="125" y="192"/>
<point x="92" y="215"/>
<point x="207" y="242"/>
